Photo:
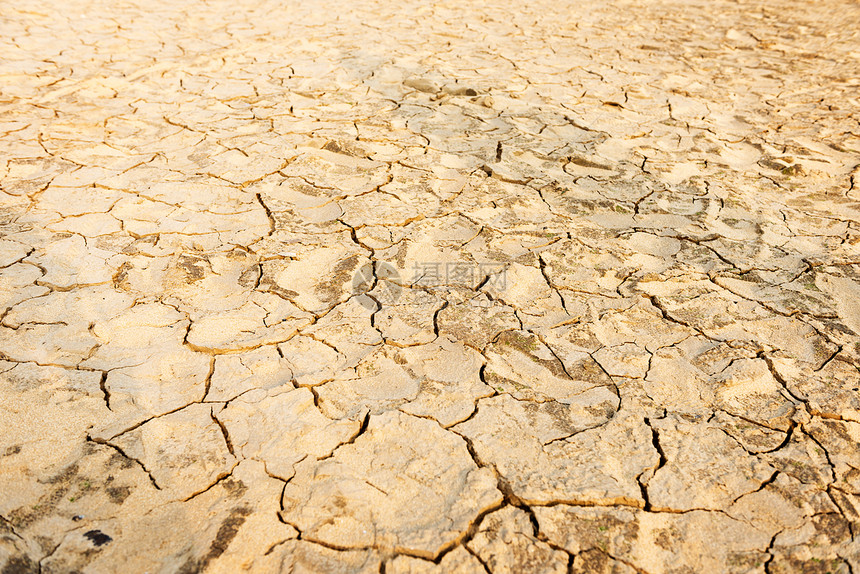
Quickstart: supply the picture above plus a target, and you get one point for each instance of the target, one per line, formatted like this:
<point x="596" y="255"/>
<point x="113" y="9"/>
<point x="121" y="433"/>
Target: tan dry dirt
<point x="366" y="286"/>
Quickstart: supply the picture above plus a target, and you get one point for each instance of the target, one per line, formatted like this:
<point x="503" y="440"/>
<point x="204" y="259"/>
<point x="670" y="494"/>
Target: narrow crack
<point x="127" y="457"/>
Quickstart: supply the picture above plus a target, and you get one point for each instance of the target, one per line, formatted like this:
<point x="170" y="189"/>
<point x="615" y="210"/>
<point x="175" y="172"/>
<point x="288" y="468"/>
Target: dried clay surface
<point x="428" y="287"/>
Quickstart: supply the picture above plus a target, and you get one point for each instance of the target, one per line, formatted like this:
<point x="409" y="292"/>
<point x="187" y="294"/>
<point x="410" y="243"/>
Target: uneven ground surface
<point x="368" y="286"/>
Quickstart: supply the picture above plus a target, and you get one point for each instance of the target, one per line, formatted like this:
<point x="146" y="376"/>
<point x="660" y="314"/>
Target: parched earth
<point x="365" y="286"/>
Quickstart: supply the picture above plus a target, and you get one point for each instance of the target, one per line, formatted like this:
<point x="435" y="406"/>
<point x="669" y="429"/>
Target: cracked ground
<point x="367" y="286"/>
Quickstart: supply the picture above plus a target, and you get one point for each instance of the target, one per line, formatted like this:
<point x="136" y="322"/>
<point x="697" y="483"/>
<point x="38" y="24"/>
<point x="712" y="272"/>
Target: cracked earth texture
<point x="650" y="363"/>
